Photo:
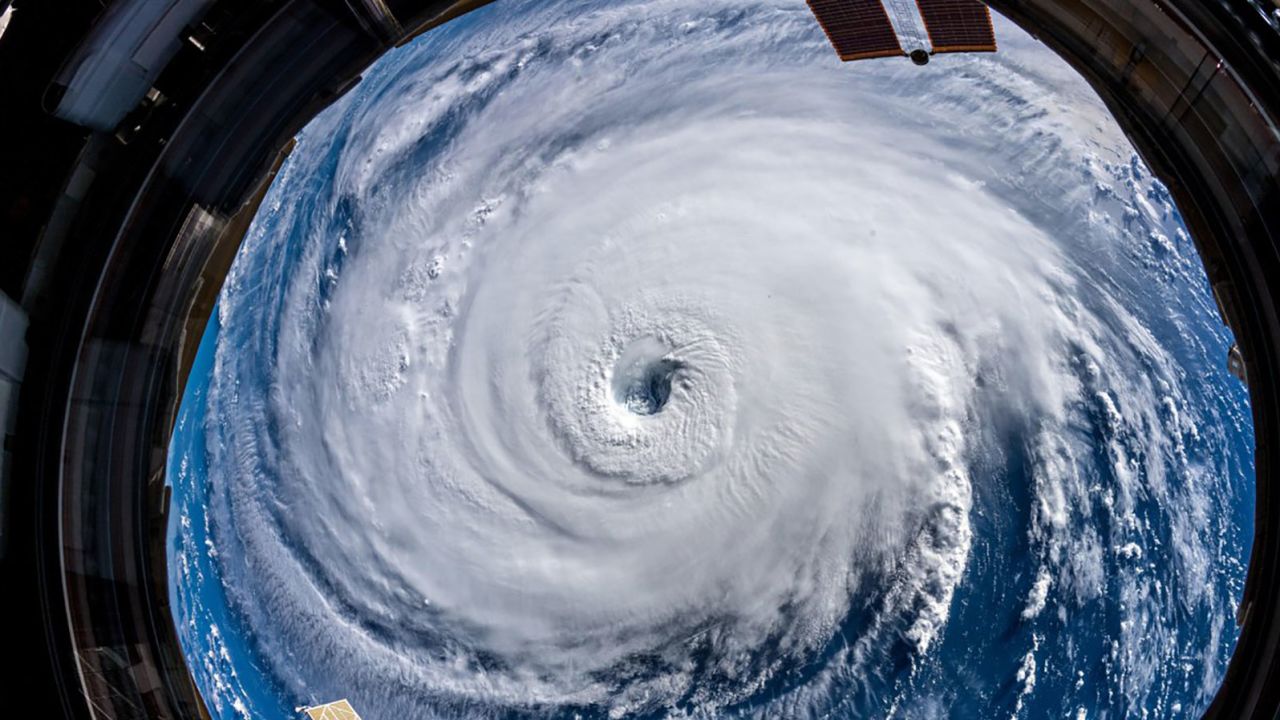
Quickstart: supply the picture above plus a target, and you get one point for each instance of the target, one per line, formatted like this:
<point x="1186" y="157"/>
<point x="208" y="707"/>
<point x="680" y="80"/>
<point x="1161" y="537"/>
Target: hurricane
<point x="640" y="359"/>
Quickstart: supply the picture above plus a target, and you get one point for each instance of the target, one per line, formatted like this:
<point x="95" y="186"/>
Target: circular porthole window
<point x="638" y="359"/>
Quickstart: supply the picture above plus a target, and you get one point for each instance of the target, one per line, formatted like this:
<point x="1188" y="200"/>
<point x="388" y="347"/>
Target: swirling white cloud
<point x="642" y="358"/>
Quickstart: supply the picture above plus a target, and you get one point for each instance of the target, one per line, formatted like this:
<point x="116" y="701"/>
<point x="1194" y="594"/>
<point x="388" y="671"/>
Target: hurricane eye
<point x="642" y="384"/>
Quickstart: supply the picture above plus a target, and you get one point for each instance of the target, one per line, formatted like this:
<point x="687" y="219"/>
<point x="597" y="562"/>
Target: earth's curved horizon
<point x="633" y="359"/>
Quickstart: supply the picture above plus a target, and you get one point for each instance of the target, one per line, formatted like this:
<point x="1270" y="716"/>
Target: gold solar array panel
<point x="857" y="29"/>
<point x="338" y="710"/>
<point x="958" y="25"/>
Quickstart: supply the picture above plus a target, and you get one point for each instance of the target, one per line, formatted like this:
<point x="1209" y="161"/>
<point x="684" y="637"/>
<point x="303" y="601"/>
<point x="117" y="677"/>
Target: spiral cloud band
<point x="640" y="359"/>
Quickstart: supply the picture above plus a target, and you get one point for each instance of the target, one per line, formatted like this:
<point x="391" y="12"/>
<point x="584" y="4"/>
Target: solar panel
<point x="857" y="29"/>
<point x="338" y="710"/>
<point x="958" y="25"/>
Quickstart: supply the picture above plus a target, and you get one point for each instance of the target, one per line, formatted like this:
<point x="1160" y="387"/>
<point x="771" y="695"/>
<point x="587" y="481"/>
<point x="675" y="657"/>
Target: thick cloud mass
<point x="642" y="358"/>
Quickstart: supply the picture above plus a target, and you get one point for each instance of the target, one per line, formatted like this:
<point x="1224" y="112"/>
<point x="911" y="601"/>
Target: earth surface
<point x="640" y="359"/>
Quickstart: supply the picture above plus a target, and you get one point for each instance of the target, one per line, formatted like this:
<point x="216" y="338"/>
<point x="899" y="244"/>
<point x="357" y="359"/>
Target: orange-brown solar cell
<point x="958" y="25"/>
<point x="857" y="29"/>
<point x="340" y="710"/>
